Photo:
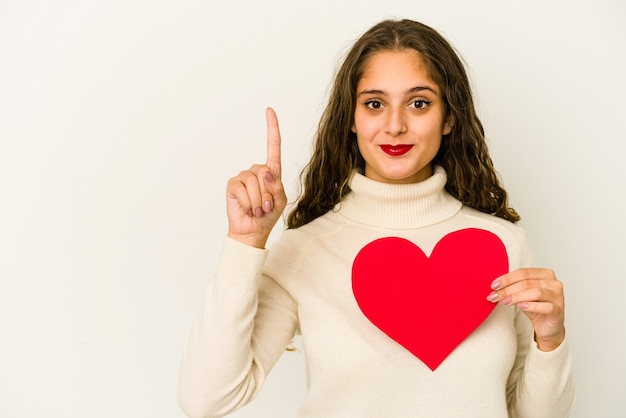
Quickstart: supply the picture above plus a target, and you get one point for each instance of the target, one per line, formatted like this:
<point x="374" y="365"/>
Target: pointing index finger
<point x="273" y="143"/>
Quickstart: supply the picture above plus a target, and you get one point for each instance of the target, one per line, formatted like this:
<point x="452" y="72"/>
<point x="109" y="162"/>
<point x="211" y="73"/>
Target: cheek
<point x="434" y="127"/>
<point x="364" y="146"/>
<point x="364" y="127"/>
<point x="360" y="144"/>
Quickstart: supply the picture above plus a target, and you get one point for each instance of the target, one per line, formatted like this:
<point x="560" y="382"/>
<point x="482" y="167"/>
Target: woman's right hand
<point x="255" y="198"/>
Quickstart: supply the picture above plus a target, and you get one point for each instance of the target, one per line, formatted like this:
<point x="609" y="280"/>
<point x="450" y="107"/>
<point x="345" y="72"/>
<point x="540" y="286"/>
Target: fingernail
<point x="496" y="284"/>
<point x="250" y="213"/>
<point x="523" y="306"/>
<point x="507" y="301"/>
<point x="269" y="177"/>
<point x="493" y="297"/>
<point x="267" y="206"/>
<point x="258" y="212"/>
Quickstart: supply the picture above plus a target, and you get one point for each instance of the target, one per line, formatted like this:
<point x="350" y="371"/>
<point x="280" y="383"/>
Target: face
<point x="399" y="118"/>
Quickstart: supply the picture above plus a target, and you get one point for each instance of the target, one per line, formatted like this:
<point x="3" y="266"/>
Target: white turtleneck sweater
<point x="259" y="299"/>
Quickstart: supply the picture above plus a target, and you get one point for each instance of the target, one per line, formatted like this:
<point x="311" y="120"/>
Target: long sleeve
<point x="259" y="299"/>
<point x="246" y="322"/>
<point x="541" y="383"/>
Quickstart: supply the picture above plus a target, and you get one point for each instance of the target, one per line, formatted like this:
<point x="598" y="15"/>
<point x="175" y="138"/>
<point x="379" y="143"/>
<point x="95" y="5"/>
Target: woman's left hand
<point x="539" y="294"/>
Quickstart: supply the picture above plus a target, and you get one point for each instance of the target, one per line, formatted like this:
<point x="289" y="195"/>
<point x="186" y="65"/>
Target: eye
<point x="373" y="104"/>
<point x="420" y="104"/>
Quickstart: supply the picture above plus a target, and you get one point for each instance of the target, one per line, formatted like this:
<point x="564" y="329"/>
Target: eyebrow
<point x="416" y="89"/>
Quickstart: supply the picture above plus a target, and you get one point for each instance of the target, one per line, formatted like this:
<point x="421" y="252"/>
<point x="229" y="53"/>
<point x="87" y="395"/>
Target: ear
<point x="447" y="125"/>
<point x="353" y="128"/>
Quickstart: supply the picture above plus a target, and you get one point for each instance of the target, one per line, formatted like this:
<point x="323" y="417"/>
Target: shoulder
<point x="512" y="235"/>
<point x="318" y="229"/>
<point x="286" y="253"/>
<point x="491" y="222"/>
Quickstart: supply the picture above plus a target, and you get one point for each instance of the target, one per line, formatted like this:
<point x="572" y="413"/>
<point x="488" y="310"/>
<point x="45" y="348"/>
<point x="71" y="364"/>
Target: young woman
<point x="402" y="267"/>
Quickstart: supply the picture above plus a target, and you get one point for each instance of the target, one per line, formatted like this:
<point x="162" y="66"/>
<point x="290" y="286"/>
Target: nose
<point x="395" y="122"/>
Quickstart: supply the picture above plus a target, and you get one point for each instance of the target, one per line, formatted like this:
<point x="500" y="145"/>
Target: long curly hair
<point x="463" y="153"/>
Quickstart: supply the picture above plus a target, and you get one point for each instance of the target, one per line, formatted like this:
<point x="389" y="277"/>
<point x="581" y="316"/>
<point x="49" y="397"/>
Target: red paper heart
<point x="429" y="305"/>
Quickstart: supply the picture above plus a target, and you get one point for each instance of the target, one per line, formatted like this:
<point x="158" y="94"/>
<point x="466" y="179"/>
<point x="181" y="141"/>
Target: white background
<point x="120" y="122"/>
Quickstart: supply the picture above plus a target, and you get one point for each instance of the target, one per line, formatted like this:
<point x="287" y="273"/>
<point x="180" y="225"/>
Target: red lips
<point x="396" y="150"/>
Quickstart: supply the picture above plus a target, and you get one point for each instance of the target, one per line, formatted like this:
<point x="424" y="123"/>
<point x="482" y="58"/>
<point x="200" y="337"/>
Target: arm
<point x="246" y="322"/>
<point x="247" y="319"/>
<point x="540" y="384"/>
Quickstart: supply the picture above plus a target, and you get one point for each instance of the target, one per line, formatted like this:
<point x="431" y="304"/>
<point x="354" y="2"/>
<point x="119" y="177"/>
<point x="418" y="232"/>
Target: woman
<point x="402" y="267"/>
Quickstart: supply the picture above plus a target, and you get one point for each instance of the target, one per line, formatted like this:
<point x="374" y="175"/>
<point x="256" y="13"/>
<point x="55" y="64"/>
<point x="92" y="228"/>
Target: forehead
<point x="403" y="69"/>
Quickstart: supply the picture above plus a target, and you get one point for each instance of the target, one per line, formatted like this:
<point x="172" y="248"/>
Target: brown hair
<point x="463" y="152"/>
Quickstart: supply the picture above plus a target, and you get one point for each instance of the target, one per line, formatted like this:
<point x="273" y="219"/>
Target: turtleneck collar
<point x="399" y="206"/>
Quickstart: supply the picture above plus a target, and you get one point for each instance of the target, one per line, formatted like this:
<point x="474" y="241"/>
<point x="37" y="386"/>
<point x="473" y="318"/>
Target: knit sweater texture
<point x="260" y="299"/>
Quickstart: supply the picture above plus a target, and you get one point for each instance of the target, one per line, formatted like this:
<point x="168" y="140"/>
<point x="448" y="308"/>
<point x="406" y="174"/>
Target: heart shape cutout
<point x="429" y="305"/>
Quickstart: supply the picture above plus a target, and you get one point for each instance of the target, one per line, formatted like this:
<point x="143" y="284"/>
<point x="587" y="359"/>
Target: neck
<point x="399" y="206"/>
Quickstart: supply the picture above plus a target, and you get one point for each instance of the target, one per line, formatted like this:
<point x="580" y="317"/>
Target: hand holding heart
<point x="539" y="294"/>
<point x="256" y="198"/>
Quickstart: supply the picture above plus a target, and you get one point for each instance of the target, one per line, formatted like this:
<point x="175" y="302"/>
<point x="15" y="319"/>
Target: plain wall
<point x="120" y="122"/>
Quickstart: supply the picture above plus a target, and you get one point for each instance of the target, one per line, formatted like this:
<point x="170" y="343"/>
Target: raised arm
<point x="256" y="198"/>
<point x="247" y="319"/>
